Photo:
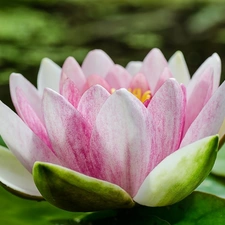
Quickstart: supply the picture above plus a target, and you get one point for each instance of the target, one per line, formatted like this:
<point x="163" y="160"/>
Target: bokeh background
<point x="126" y="29"/>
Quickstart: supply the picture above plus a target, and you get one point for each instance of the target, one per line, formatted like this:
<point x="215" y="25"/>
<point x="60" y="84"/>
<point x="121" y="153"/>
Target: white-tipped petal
<point x="134" y="67"/>
<point x="48" y="75"/>
<point x="15" y="177"/>
<point x="214" y="62"/>
<point x="97" y="62"/>
<point x="178" y="67"/>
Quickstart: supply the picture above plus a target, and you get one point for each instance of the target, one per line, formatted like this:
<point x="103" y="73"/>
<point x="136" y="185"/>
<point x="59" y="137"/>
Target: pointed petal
<point x="209" y="120"/>
<point x="30" y="117"/>
<point x="118" y="77"/>
<point x="91" y="102"/>
<point x="70" y="135"/>
<point x="166" y="74"/>
<point x="72" y="70"/>
<point x="139" y="81"/>
<point x="23" y="143"/>
<point x="133" y="67"/>
<point x="153" y="66"/>
<point x="178" y="67"/>
<point x="213" y="62"/>
<point x="71" y="92"/>
<point x="200" y="95"/>
<point x="167" y="117"/>
<point x="80" y="192"/>
<point x="119" y="143"/>
<point x="31" y="93"/>
<point x="178" y="174"/>
<point x="97" y="62"/>
<point x="95" y="79"/>
<point x="14" y="177"/>
<point x="48" y="75"/>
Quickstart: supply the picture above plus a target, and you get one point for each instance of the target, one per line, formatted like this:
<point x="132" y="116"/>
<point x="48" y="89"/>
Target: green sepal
<point x="179" y="174"/>
<point x="73" y="191"/>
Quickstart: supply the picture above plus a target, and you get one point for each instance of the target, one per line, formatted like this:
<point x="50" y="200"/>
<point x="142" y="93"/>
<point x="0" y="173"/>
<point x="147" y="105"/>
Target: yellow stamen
<point x="147" y="95"/>
<point x="138" y="93"/>
<point x="113" y="90"/>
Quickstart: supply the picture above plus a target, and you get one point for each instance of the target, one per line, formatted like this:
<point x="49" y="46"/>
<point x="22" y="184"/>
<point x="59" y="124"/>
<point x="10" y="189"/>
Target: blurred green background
<point x="126" y="30"/>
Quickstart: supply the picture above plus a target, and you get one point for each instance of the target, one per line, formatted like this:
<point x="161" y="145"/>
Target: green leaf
<point x="18" y="211"/>
<point x="73" y="191"/>
<point x="219" y="166"/>
<point x="2" y="142"/>
<point x="213" y="185"/>
<point x="197" y="209"/>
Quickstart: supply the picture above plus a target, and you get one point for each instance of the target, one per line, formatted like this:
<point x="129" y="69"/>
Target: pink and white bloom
<point x="152" y="144"/>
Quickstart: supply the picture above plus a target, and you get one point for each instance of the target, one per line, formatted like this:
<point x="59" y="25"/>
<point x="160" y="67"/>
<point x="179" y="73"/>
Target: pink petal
<point x="30" y="117"/>
<point x="48" y="75"/>
<point x="97" y="62"/>
<point x="213" y="62"/>
<point x="209" y="120"/>
<point x="31" y="93"/>
<point x="139" y="81"/>
<point x="134" y="67"/>
<point x="91" y="102"/>
<point x="222" y="131"/>
<point x="118" y="77"/>
<point x="166" y="74"/>
<point x="201" y="93"/>
<point x="68" y="131"/>
<point x="166" y="109"/>
<point x="119" y="143"/>
<point x="95" y="79"/>
<point x="71" y="69"/>
<point x="70" y="92"/>
<point x="153" y="66"/>
<point x="24" y="144"/>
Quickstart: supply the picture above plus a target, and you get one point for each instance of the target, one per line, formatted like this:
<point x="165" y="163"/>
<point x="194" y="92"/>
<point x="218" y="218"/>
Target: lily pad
<point x="213" y="185"/>
<point x="197" y="209"/>
<point x="219" y="166"/>
<point x="2" y="143"/>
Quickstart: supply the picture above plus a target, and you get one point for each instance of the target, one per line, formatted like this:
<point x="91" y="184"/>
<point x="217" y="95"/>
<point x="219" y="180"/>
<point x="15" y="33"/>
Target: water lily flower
<point x="100" y="136"/>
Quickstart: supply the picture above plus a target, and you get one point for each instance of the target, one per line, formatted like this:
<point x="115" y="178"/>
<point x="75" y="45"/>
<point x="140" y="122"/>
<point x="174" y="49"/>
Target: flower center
<point x="142" y="96"/>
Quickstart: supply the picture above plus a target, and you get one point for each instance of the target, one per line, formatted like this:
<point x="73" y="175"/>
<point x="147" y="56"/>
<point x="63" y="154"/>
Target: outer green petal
<point x="178" y="174"/>
<point x="73" y="191"/>
<point x="15" y="178"/>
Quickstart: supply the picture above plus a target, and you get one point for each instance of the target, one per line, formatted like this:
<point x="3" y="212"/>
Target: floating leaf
<point x="2" y="142"/>
<point x="213" y="185"/>
<point x="219" y="166"/>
